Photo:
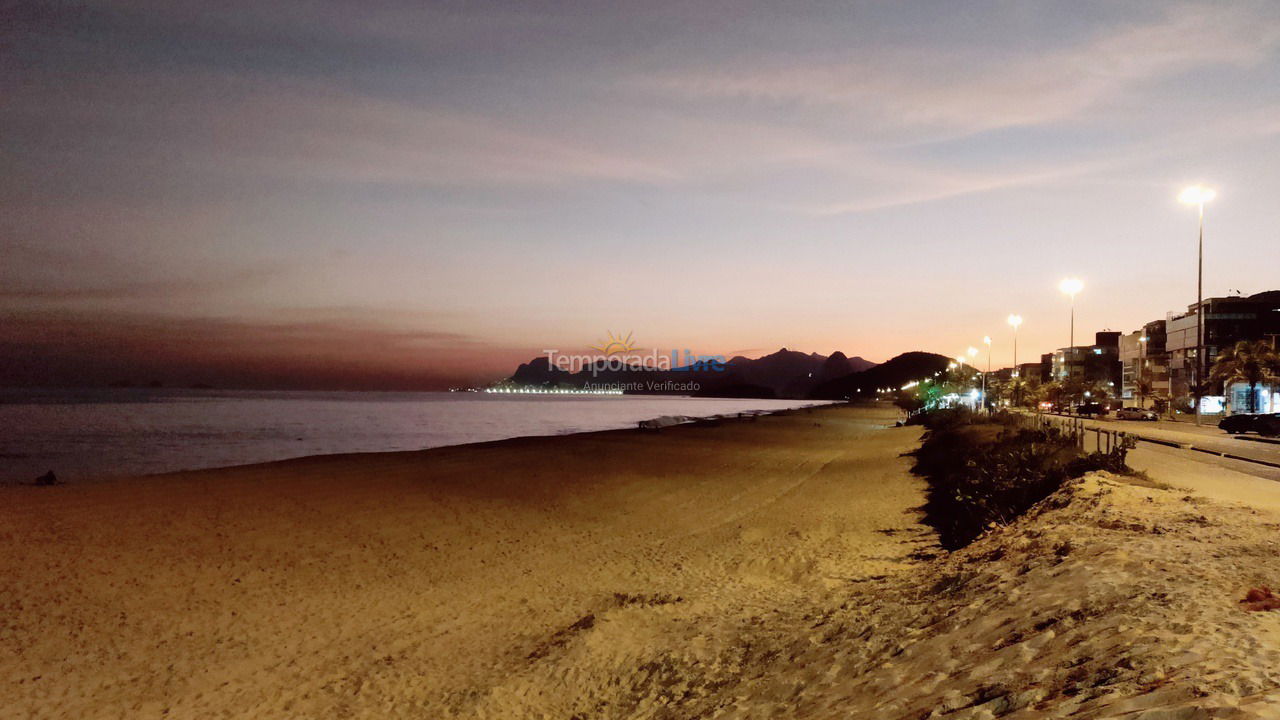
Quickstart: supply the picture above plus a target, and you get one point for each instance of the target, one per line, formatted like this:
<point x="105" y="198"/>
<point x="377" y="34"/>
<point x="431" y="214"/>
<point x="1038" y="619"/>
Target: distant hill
<point x="783" y="374"/>
<point x="895" y="373"/>
<point x="538" y="371"/>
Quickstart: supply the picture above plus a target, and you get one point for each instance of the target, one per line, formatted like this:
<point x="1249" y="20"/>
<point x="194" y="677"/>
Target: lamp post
<point x="1014" y="322"/>
<point x="972" y="352"/>
<point x="1198" y="195"/>
<point x="1072" y="286"/>
<point x="986" y="340"/>
<point x="1142" y="368"/>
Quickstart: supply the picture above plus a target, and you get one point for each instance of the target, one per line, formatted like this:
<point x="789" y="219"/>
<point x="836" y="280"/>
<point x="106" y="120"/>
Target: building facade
<point x="1096" y="365"/>
<point x="1144" y="359"/>
<point x="1227" y="320"/>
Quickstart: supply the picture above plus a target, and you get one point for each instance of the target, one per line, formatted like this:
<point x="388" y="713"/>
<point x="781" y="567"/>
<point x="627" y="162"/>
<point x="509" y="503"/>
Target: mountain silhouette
<point x="783" y="374"/>
<point x="905" y="368"/>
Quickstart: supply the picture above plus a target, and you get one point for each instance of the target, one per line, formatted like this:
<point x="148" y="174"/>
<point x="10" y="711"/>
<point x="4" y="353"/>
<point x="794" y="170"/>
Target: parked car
<point x="1247" y="422"/>
<point x="1133" y="413"/>
<point x="1238" y="423"/>
<point x="1091" y="409"/>
<point x="1268" y="425"/>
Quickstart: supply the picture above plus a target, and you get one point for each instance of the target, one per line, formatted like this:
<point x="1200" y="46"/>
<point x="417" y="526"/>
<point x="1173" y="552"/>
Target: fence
<point x="1104" y="441"/>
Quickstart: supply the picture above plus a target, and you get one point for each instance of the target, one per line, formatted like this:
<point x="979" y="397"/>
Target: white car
<point x="1132" y="413"/>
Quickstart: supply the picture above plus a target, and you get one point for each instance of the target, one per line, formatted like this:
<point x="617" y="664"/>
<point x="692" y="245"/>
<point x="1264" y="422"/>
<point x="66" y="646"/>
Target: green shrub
<point x="987" y="470"/>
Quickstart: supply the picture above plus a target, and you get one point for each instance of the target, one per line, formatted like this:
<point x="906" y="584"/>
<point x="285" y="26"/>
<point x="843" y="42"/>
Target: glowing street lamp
<point x="1198" y="195"/>
<point x="973" y="352"/>
<point x="986" y="340"/>
<point x="960" y="361"/>
<point x="1014" y="322"/>
<point x="1072" y="287"/>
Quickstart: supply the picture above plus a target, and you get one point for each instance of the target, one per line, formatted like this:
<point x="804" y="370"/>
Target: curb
<point x="1231" y="456"/>
<point x="1255" y="438"/>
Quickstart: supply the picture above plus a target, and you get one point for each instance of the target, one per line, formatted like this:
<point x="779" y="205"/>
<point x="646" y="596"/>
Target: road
<point x="1245" y="453"/>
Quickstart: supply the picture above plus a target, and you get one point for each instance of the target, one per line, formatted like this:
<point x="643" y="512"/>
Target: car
<point x="1091" y="408"/>
<point x="1238" y="423"/>
<point x="1249" y="422"/>
<point x="1133" y="413"/>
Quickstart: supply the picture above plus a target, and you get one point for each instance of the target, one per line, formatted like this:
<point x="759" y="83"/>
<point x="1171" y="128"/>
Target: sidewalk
<point x="1232" y="481"/>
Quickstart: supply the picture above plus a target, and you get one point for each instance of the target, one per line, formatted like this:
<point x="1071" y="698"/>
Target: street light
<point x="1198" y="195"/>
<point x="986" y="340"/>
<point x="1072" y="286"/>
<point x="960" y="361"/>
<point x="1014" y="322"/>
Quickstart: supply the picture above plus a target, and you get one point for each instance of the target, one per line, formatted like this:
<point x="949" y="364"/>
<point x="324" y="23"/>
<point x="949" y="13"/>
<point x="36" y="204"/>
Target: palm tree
<point x="1249" y="361"/>
<point x="1142" y="386"/>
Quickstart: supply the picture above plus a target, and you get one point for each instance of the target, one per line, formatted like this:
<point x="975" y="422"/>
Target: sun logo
<point x="616" y="344"/>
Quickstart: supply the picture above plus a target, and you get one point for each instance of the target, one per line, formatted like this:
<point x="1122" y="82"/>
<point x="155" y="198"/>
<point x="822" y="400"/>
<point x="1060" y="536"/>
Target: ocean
<point x="90" y="434"/>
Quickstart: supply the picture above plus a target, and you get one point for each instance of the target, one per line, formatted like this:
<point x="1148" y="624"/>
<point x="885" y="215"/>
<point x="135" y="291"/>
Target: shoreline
<point x="448" y="430"/>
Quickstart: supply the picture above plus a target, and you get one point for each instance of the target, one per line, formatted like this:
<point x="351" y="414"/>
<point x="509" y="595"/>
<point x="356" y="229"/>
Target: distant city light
<point x="552" y="391"/>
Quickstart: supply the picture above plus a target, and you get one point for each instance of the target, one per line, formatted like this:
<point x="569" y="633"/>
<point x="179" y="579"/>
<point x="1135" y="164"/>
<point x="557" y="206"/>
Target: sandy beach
<point x="431" y="584"/>
<point x="748" y="569"/>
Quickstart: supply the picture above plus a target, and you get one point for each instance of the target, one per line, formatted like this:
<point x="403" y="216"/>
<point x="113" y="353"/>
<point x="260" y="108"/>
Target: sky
<point x="414" y="195"/>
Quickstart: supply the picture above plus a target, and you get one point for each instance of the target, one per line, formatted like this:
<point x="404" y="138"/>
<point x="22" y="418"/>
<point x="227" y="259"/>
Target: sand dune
<point x="1109" y="601"/>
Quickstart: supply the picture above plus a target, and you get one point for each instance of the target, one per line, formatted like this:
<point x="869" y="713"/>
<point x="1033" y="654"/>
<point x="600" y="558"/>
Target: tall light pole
<point x="1072" y="287"/>
<point x="972" y="352"/>
<point x="1142" y="368"/>
<point x="1198" y="195"/>
<point x="986" y="340"/>
<point x="1014" y="322"/>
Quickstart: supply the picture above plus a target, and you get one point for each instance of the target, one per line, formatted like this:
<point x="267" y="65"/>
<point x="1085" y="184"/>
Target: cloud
<point x="300" y="130"/>
<point x="339" y="349"/>
<point x="138" y="290"/>
<point x="906" y="90"/>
